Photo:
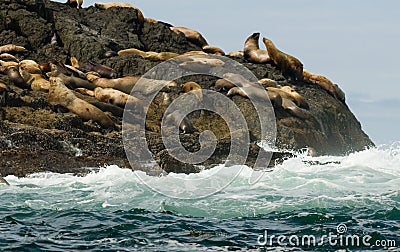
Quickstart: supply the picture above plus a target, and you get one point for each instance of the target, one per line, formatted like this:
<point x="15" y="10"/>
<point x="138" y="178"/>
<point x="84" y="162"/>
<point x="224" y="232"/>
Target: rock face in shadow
<point x="35" y="136"/>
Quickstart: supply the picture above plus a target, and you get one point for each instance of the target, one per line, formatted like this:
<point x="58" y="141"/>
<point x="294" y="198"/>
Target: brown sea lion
<point x="293" y="109"/>
<point x="8" y="57"/>
<point x="72" y="81"/>
<point x="193" y="36"/>
<point x="236" y="54"/>
<point x="288" y="64"/>
<point x="88" y="66"/>
<point x="213" y="50"/>
<point x="105" y="6"/>
<point x="10" y="48"/>
<point x="289" y="93"/>
<point x="39" y="83"/>
<point x="84" y="91"/>
<point x="253" y="52"/>
<point x="7" y="64"/>
<point x="112" y="96"/>
<point x="150" y="20"/>
<point x="59" y="94"/>
<point x="324" y="83"/>
<point x="31" y="66"/>
<point x="268" y="83"/>
<point x="185" y="126"/>
<point x="199" y="63"/>
<point x="257" y="93"/>
<point x="75" y="3"/>
<point x="124" y="84"/>
<point x="28" y="78"/>
<point x="193" y="88"/>
<point x="153" y="56"/>
<point x="223" y="85"/>
<point x="16" y="78"/>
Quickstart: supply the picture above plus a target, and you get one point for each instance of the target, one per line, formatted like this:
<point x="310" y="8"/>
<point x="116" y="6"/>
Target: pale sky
<point x="354" y="43"/>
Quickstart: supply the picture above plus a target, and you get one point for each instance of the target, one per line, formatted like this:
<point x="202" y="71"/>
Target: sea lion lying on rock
<point x="59" y="94"/>
<point x="10" y="48"/>
<point x="324" y="83"/>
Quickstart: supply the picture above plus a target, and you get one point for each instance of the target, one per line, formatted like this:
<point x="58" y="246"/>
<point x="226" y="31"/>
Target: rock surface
<point x="35" y="136"/>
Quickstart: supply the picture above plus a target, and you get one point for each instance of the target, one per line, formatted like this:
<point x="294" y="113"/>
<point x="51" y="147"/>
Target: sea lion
<point x="150" y="20"/>
<point x="28" y="78"/>
<point x="268" y="83"/>
<point x="7" y="64"/>
<point x="253" y="52"/>
<point x="88" y="66"/>
<point x="112" y="96"/>
<point x="185" y="125"/>
<point x="39" y="83"/>
<point x="10" y="48"/>
<point x="193" y="36"/>
<point x="75" y="3"/>
<point x="324" y="83"/>
<point x="72" y="81"/>
<point x="193" y="88"/>
<point x="59" y="94"/>
<point x="3" y="181"/>
<point x="153" y="56"/>
<point x="223" y="85"/>
<point x="257" y="93"/>
<point x="213" y="50"/>
<point x="84" y="91"/>
<point x="31" y="66"/>
<point x="293" y="109"/>
<point x="289" y="93"/>
<point x="199" y="63"/>
<point x="289" y="65"/>
<point x="8" y="57"/>
<point x="124" y="84"/>
<point x="16" y="78"/>
<point x="238" y="54"/>
<point x="105" y="6"/>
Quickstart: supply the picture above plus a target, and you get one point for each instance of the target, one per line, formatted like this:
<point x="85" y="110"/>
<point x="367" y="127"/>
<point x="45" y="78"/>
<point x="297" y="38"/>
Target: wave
<point x="368" y="178"/>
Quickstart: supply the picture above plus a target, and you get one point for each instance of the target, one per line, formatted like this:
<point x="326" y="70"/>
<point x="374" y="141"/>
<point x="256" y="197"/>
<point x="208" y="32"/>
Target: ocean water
<point x="307" y="203"/>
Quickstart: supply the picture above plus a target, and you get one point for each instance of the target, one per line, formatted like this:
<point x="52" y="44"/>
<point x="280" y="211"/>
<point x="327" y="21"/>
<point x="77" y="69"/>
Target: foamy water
<point x="367" y="178"/>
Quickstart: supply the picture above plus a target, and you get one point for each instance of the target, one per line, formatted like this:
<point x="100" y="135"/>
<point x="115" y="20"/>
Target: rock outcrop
<point x="36" y="136"/>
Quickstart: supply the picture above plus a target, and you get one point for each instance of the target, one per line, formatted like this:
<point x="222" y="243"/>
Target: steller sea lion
<point x="153" y="56"/>
<point x="112" y="96"/>
<point x="105" y="6"/>
<point x="268" y="82"/>
<point x="89" y="66"/>
<point x="193" y="36"/>
<point x="289" y="93"/>
<point x="253" y="52"/>
<point x="257" y="93"/>
<point x="293" y="109"/>
<point x="10" y="48"/>
<point x="213" y="50"/>
<point x="59" y="94"/>
<point x="16" y="78"/>
<point x="8" y="57"/>
<point x="185" y="125"/>
<point x="31" y="66"/>
<point x="75" y="3"/>
<point x="288" y="64"/>
<point x="324" y="83"/>
<point x="194" y="88"/>
<point x="39" y="83"/>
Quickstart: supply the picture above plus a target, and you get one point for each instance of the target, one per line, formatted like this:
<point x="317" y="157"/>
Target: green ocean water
<point x="324" y="204"/>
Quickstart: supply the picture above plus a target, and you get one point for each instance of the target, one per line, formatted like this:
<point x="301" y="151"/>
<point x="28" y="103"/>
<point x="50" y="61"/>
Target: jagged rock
<point x="35" y="136"/>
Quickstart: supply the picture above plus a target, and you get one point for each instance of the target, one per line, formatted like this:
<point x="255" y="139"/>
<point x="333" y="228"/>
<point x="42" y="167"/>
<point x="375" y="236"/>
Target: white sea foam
<point x="367" y="178"/>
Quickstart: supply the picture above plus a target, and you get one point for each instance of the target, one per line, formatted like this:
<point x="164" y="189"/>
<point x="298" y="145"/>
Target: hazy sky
<point x="354" y="43"/>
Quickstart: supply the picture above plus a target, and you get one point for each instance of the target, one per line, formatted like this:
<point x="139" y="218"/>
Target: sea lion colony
<point x="70" y="85"/>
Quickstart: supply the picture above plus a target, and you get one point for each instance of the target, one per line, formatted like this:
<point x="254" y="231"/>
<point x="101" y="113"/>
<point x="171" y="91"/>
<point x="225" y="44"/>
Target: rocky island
<point x="39" y="133"/>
